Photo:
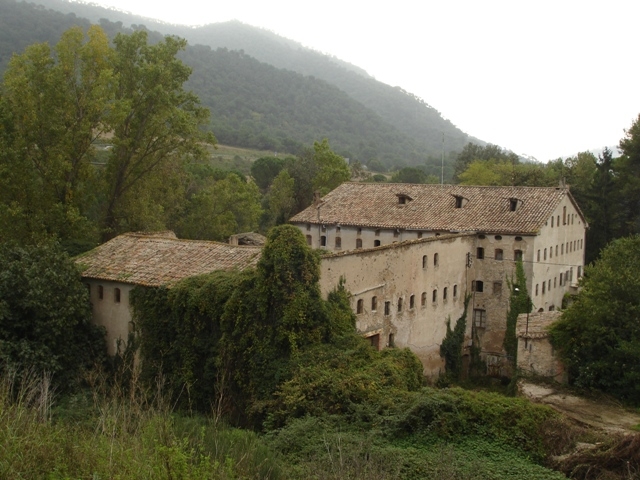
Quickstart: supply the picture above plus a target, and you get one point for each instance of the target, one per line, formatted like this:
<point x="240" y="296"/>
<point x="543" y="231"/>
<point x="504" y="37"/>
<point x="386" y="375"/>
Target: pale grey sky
<point x="543" y="78"/>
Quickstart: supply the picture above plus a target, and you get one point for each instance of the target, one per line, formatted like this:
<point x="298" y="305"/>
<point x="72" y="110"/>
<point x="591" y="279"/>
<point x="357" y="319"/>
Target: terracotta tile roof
<point x="162" y="259"/>
<point x="433" y="207"/>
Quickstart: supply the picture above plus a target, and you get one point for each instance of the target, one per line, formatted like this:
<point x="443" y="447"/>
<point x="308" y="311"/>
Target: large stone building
<point x="114" y="268"/>
<point x="410" y="253"/>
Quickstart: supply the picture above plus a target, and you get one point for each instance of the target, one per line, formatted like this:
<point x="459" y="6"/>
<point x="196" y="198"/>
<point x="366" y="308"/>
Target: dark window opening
<point x="419" y="234"/>
<point x="376" y="243"/>
<point x="323" y="241"/>
<point x="564" y="215"/>
<point x="477" y="286"/>
<point x="308" y="226"/>
<point x="412" y="301"/>
<point x="374" y="303"/>
<point x="444" y="293"/>
<point x="396" y="232"/>
<point x="116" y="295"/>
<point x="424" y="261"/>
<point x="459" y="201"/>
<point x="377" y="232"/>
<point x="391" y="341"/>
<point x="375" y="341"/>
<point x="435" y="259"/>
<point x="480" y="253"/>
<point x="100" y="292"/>
<point x="518" y="239"/>
<point x="423" y="299"/>
<point x="360" y="306"/>
<point x="400" y="304"/>
<point x="338" y="242"/>
<point x="358" y="243"/>
<point x="359" y="230"/>
<point x="455" y="291"/>
<point x="434" y="296"/>
<point x="387" y="308"/>
<point x="517" y="255"/>
<point x="513" y="204"/>
<point x="499" y="255"/>
<point x="482" y="236"/>
<point x="337" y="229"/>
<point x="536" y="289"/>
<point x="498" y="237"/>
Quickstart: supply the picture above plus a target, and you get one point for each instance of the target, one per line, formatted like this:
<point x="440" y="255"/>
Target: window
<point x="555" y="282"/>
<point x="387" y="308"/>
<point x="375" y="341"/>
<point x="477" y="286"/>
<point x="562" y="249"/>
<point x="396" y="232"/>
<point x="480" y="253"/>
<point x="412" y="301"/>
<point x="549" y="288"/>
<point x="513" y="204"/>
<point x="482" y="236"/>
<point x="556" y="250"/>
<point x="479" y="318"/>
<point x="544" y="285"/>
<point x="400" y="304"/>
<point x="100" y="292"/>
<point x="338" y="242"/>
<point x="455" y="291"/>
<point x="358" y="243"/>
<point x="360" y="306"/>
<point x="558" y="220"/>
<point x="419" y="234"/>
<point x="337" y="229"/>
<point x="323" y="241"/>
<point x="552" y="308"/>
<point x="308" y="227"/>
<point x="538" y="255"/>
<point x="435" y="259"/>
<point x="423" y="299"/>
<point x="444" y="293"/>
<point x="434" y="296"/>
<point x="579" y="271"/>
<point x="518" y="239"/>
<point x="392" y="342"/>
<point x="551" y="252"/>
<point x="517" y="255"/>
<point x="376" y="243"/>
<point x="499" y="254"/>
<point x="458" y="201"/>
<point x="324" y="228"/>
<point x="424" y="261"/>
<point x="116" y="295"/>
<point x="564" y="215"/>
<point x="374" y="304"/>
<point x="498" y="237"/>
<point x="552" y="218"/>
<point x="359" y="230"/>
<point x="309" y="240"/>
<point x="497" y="288"/>
<point x="545" y="253"/>
<point x="377" y="232"/>
<point x="536" y="289"/>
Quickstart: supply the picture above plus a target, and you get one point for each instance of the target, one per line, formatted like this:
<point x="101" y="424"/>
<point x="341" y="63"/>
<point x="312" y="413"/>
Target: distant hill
<point x="266" y="91"/>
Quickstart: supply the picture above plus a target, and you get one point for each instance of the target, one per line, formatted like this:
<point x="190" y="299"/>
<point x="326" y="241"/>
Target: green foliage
<point x="519" y="302"/>
<point x="264" y="170"/>
<point x="453" y="342"/>
<point x="332" y="168"/>
<point x="45" y="315"/>
<point x="598" y="335"/>
<point x="409" y="175"/>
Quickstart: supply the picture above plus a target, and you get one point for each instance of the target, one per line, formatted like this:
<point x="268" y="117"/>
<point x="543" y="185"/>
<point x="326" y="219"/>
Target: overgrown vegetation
<point x="519" y="302"/>
<point x="453" y="343"/>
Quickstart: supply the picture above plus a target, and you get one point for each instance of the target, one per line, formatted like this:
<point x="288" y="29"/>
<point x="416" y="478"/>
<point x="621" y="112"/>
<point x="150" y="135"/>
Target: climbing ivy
<point x="519" y="302"/>
<point x="451" y="347"/>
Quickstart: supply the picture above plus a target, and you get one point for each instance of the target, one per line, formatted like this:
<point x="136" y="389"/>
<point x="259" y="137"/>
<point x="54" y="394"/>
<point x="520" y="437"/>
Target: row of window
<point x="116" y="293"/>
<point x="566" y="219"/>
<point x="565" y="247"/>
<point x="400" y="305"/>
<point x="563" y="279"/>
<point x="498" y="254"/>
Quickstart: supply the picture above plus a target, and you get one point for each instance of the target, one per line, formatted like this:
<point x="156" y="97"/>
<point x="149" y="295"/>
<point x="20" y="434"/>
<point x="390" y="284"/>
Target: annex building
<point x="410" y="254"/>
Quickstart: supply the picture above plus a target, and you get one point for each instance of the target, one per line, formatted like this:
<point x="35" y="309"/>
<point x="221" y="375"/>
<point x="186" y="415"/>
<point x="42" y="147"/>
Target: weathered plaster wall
<point x="536" y="355"/>
<point x="395" y="273"/>
<point x="114" y="316"/>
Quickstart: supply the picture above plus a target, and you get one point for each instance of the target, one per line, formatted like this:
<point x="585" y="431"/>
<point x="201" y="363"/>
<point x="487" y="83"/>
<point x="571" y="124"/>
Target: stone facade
<point x="536" y="355"/>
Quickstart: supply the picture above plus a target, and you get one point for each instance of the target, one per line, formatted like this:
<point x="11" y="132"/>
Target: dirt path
<point x="603" y="415"/>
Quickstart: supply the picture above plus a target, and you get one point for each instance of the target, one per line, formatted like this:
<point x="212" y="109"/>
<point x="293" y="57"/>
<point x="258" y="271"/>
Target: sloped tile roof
<point x="433" y="207"/>
<point x="162" y="259"/>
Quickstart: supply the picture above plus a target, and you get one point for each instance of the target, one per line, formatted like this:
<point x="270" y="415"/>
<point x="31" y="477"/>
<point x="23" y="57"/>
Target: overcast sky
<point x="543" y="78"/>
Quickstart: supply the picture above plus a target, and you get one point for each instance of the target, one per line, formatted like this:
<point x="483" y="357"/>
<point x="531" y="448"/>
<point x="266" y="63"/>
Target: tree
<point x="473" y="152"/>
<point x="45" y="314"/>
<point x="598" y="336"/>
<point x="332" y="168"/>
<point x="55" y="101"/>
<point x="280" y="198"/>
<point x="409" y="175"/>
<point x="154" y="120"/>
<point x="265" y="169"/>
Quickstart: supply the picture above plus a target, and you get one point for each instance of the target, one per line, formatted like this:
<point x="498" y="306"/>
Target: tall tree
<point x="332" y="168"/>
<point x="154" y="120"/>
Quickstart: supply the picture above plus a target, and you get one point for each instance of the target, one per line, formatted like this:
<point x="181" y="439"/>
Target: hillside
<point x="265" y="91"/>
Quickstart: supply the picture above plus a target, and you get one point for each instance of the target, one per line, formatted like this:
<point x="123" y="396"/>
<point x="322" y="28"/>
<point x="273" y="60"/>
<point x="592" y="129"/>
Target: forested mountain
<point x="299" y="97"/>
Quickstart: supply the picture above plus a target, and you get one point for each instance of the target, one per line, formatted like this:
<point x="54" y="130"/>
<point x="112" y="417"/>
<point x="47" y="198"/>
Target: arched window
<point x="444" y="293"/>
<point x="435" y="259"/>
<point x="434" y="296"/>
<point x="374" y="304"/>
<point x="400" y="304"/>
<point x="424" y="261"/>
<point x="360" y="306"/>
<point x="455" y="291"/>
<point x="412" y="302"/>
<point x="423" y="300"/>
<point x="387" y="308"/>
<point x="545" y="253"/>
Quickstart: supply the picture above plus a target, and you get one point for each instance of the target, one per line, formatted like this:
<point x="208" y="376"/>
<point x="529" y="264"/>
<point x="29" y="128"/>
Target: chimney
<point x="316" y="198"/>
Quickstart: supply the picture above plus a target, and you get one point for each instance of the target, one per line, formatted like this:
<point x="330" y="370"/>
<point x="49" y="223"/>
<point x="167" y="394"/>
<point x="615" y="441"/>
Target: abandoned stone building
<point x="410" y="253"/>
<point x="113" y="269"/>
